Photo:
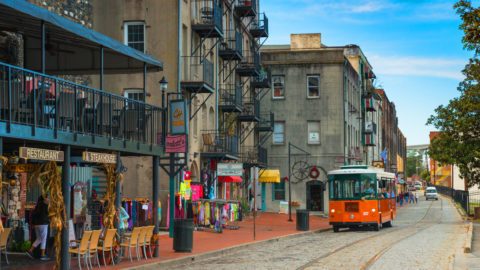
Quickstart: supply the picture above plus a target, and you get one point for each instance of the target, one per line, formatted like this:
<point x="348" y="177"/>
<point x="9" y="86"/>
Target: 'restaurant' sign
<point x="99" y="157"/>
<point x="40" y="154"/>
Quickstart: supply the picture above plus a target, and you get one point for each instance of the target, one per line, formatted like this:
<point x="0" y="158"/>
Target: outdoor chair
<point x="132" y="242"/>
<point x="148" y="240"/>
<point x="3" y="243"/>
<point x="66" y="109"/>
<point x="129" y="123"/>
<point x="141" y="242"/>
<point x="82" y="249"/>
<point x="93" y="247"/>
<point x="107" y="245"/>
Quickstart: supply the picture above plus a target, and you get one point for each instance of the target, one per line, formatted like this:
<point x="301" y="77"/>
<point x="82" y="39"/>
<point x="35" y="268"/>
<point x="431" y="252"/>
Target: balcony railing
<point x="263" y="80"/>
<point x="254" y="155"/>
<point x="245" y="8"/>
<point x="214" y="141"/>
<point x="207" y="16"/>
<point x="259" y="28"/>
<point x="197" y="69"/>
<point x="40" y="101"/>
<point x="266" y="122"/>
<point x="262" y="155"/>
<point x="250" y="64"/>
<point x="230" y="97"/>
<point x="251" y="111"/>
<point x="231" y="47"/>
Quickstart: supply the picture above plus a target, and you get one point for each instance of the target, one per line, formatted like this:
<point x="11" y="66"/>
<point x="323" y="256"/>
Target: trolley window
<point x="352" y="187"/>
<point x="335" y="189"/>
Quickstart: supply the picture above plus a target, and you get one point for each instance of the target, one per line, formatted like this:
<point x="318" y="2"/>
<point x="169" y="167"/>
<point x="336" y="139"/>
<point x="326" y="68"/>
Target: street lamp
<point x="163" y="83"/>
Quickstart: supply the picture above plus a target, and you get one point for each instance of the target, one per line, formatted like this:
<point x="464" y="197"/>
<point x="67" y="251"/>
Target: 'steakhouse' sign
<point x="99" y="157"/>
<point x="40" y="154"/>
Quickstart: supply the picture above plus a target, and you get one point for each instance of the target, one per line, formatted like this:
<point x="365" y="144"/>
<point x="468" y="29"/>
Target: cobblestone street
<point x="424" y="236"/>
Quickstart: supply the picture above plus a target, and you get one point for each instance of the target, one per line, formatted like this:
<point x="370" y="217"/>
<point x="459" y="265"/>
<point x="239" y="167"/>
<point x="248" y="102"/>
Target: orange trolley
<point x="361" y="195"/>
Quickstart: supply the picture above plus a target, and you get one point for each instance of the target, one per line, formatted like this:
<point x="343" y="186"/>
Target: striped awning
<point x="269" y="176"/>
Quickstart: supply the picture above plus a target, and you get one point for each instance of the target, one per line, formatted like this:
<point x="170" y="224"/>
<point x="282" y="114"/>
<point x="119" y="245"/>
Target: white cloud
<point x="418" y="66"/>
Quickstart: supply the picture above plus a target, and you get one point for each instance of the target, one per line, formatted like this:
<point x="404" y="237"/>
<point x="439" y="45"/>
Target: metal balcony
<point x="254" y="156"/>
<point x="264" y="80"/>
<point x="230" y="98"/>
<point x="231" y="47"/>
<point x="219" y="144"/>
<point x="197" y="75"/>
<point x="250" y="112"/>
<point x="44" y="108"/>
<point x="259" y="27"/>
<point x="262" y="156"/>
<point x="245" y="8"/>
<point x="266" y="122"/>
<point x="250" y="64"/>
<point x="207" y="16"/>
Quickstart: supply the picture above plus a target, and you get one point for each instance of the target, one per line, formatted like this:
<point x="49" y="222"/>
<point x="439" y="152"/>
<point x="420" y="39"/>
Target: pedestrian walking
<point x="411" y="200"/>
<point x="416" y="197"/>
<point x="40" y="222"/>
<point x="405" y="195"/>
<point x="401" y="199"/>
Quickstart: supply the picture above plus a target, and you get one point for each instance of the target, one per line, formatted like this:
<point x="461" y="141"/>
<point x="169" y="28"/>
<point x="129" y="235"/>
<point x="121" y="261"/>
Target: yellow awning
<point x="269" y="176"/>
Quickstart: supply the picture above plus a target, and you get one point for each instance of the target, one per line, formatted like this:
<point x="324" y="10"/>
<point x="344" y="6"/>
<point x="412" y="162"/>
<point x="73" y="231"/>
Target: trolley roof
<point x="362" y="169"/>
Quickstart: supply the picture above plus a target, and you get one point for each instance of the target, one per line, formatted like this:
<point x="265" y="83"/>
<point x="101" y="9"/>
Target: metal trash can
<point x="183" y="235"/>
<point x="303" y="220"/>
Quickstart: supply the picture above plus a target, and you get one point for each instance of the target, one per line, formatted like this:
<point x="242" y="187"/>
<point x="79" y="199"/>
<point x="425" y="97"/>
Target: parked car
<point x="431" y="193"/>
<point x="411" y="188"/>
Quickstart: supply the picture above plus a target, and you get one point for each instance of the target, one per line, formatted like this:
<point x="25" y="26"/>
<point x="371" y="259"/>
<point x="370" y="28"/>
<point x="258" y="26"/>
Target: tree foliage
<point x="414" y="165"/>
<point x="459" y="122"/>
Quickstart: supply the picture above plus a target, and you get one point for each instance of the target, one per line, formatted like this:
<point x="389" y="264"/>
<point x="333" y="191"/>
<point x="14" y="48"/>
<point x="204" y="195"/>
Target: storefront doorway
<point x="314" y="190"/>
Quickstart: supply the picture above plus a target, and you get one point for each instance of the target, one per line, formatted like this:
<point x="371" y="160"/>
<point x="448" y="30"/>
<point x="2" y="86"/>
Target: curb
<point x="220" y="252"/>
<point x="469" y="239"/>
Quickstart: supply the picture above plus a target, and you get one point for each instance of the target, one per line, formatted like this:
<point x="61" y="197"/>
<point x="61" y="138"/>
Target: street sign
<point x="40" y="154"/>
<point x="99" y="157"/>
<point x="178" y="116"/>
<point x="230" y="169"/>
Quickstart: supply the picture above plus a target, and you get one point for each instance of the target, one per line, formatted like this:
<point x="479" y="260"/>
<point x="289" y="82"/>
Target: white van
<point x="431" y="193"/>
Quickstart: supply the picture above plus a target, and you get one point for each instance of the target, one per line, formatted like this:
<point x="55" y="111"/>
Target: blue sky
<point x="414" y="47"/>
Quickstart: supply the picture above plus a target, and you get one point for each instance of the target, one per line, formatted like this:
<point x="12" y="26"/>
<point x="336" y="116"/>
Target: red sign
<point x="175" y="144"/>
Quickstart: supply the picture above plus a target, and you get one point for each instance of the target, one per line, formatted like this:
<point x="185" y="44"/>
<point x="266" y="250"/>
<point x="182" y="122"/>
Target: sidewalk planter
<point x="183" y="235"/>
<point x="303" y="220"/>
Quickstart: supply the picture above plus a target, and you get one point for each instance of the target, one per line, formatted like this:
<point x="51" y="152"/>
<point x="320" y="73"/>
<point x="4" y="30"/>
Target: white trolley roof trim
<point x="362" y="169"/>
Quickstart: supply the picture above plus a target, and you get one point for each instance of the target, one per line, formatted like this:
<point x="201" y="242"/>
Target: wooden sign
<point x="99" y="157"/>
<point x="40" y="154"/>
<point x="176" y="143"/>
<point x="20" y="168"/>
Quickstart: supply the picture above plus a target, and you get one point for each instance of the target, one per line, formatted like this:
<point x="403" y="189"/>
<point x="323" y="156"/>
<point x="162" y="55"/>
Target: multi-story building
<point x="316" y="98"/>
<point x="210" y="50"/>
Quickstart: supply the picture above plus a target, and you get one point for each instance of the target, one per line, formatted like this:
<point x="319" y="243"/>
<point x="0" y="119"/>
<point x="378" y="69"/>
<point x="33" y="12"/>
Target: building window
<point x="279" y="133"/>
<point x="313" y="86"/>
<point x="135" y="94"/>
<point x="134" y="35"/>
<point x="279" y="191"/>
<point x="313" y="132"/>
<point x="278" y="87"/>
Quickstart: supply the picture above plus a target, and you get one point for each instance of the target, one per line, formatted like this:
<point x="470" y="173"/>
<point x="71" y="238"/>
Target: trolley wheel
<point x="388" y="224"/>
<point x="376" y="227"/>
<point x="336" y="229"/>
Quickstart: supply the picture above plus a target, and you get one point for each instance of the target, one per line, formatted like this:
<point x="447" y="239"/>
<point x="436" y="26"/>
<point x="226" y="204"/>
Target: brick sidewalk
<point x="268" y="226"/>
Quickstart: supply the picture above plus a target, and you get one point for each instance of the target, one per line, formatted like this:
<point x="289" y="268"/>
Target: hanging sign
<point x="20" y="168"/>
<point x="99" y="157"/>
<point x="40" y="154"/>
<point x="178" y="114"/>
<point x="230" y="169"/>
<point x="377" y="163"/>
<point x="175" y="143"/>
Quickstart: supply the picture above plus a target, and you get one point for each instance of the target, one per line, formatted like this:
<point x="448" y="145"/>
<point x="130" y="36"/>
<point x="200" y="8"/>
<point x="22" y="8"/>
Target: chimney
<point x="305" y="41"/>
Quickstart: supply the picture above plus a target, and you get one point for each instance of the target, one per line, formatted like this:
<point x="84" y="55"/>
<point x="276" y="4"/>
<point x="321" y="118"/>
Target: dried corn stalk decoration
<point x="112" y="178"/>
<point x="3" y="161"/>
<point x="49" y="178"/>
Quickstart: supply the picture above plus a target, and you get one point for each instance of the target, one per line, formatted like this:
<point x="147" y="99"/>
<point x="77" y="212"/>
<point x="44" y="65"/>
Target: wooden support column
<point x="65" y="255"/>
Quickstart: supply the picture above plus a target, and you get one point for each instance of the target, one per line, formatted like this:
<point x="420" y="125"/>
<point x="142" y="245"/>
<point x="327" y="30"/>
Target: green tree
<point x="414" y="165"/>
<point x="425" y="175"/>
<point x="459" y="122"/>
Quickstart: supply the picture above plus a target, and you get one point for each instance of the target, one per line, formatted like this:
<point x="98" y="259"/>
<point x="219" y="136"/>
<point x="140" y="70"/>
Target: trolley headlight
<point x="333" y="211"/>
<point x="373" y="209"/>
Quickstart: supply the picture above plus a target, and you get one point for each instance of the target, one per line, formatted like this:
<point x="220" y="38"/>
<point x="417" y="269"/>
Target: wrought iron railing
<point x="242" y="4"/>
<point x="260" y="24"/>
<point x="197" y="69"/>
<point x="233" y="41"/>
<point x="214" y="141"/>
<point x="251" y="108"/>
<point x="459" y="196"/>
<point x="230" y="95"/>
<point x="208" y="12"/>
<point x="265" y="77"/>
<point x="262" y="155"/>
<point x="38" y="100"/>
<point x="250" y="59"/>
<point x="266" y="121"/>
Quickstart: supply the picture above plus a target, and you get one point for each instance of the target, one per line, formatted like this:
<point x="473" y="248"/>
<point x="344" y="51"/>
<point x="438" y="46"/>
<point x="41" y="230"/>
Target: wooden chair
<point x="93" y="247"/>
<point x="107" y="245"/>
<point x="141" y="241"/>
<point x="82" y="249"/>
<point x="148" y="239"/>
<point x="3" y="243"/>
<point x="132" y="242"/>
